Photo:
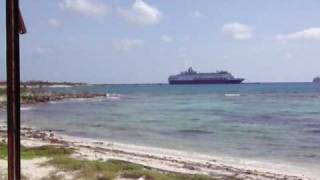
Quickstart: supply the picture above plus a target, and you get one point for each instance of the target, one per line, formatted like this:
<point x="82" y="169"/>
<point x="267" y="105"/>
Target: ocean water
<point x="272" y="122"/>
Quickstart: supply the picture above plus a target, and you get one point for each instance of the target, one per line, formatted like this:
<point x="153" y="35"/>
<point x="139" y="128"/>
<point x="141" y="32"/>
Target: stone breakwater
<point x="33" y="98"/>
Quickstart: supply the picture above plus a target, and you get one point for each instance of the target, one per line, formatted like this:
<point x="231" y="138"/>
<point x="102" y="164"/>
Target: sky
<point x="145" y="41"/>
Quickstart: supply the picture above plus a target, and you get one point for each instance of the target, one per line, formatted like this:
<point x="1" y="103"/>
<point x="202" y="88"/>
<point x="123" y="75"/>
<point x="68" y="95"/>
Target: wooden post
<point x="13" y="89"/>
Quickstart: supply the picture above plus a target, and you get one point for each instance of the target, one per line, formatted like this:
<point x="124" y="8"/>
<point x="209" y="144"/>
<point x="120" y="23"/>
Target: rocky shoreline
<point x="33" y="98"/>
<point x="160" y="159"/>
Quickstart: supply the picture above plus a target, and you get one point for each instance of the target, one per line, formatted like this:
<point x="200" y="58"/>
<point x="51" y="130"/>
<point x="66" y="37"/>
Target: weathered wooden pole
<point x="15" y="26"/>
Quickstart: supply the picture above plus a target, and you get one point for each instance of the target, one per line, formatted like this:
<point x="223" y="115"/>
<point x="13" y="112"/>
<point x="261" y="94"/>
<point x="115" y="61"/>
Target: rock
<point x="38" y="135"/>
<point x="189" y="166"/>
<point x="98" y="142"/>
<point x="55" y="141"/>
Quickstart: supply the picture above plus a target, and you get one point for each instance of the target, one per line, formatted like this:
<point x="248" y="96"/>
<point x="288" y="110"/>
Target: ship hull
<point x="209" y="81"/>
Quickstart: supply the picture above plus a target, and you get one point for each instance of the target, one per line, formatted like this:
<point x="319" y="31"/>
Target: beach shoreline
<point x="157" y="158"/>
<point x="162" y="159"/>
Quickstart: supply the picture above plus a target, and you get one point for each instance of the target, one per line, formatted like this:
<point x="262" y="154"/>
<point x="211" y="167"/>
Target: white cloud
<point x="306" y="34"/>
<point x="166" y="38"/>
<point x="182" y="53"/>
<point x="182" y="49"/>
<point x="181" y="56"/>
<point x="238" y="31"/>
<point x="141" y="13"/>
<point x="54" y="22"/>
<point x="127" y="44"/>
<point x="85" y="7"/>
<point x="45" y="50"/>
<point x="186" y="37"/>
<point x="197" y="14"/>
<point x="289" y="55"/>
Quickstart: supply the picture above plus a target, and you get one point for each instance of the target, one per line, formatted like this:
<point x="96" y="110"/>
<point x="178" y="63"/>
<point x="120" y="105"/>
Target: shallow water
<point x="277" y="122"/>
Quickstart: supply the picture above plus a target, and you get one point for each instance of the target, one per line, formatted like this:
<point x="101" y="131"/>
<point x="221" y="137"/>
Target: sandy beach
<point x="163" y="160"/>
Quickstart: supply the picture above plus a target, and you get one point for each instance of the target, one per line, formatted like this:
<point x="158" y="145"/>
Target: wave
<point x="195" y="131"/>
<point x="94" y="99"/>
<point x="60" y="86"/>
<point x="314" y="131"/>
<point x="113" y="96"/>
<point x="232" y="95"/>
<point x="108" y="96"/>
<point x="26" y="108"/>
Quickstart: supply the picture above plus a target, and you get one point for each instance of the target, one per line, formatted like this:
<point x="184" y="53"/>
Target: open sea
<point x="269" y="122"/>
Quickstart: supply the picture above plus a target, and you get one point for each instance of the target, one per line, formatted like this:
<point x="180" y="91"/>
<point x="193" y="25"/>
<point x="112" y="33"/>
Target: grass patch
<point x="2" y="96"/>
<point x="23" y="90"/>
<point x="2" y="92"/>
<point x="95" y="170"/>
<point x="34" y="152"/>
<point x="156" y="175"/>
<point x="107" y="170"/>
<point x="3" y="151"/>
<point x="45" y="151"/>
<point x="24" y="95"/>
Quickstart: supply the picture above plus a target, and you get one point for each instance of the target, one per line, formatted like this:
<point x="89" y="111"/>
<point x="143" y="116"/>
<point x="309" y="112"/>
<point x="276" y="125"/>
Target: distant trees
<point x="45" y="83"/>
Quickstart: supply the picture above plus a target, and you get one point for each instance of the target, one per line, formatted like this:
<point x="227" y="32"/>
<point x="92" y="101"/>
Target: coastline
<point x="157" y="158"/>
<point x="164" y="160"/>
<point x="32" y="98"/>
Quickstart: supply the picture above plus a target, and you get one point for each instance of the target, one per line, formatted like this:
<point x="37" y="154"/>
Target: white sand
<point x="183" y="162"/>
<point x="31" y="169"/>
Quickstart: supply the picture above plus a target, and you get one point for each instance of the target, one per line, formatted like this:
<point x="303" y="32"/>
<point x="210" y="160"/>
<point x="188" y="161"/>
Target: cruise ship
<point x="192" y="77"/>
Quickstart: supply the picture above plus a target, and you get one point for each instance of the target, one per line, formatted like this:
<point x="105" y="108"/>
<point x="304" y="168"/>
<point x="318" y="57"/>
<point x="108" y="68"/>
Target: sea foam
<point x="232" y="95"/>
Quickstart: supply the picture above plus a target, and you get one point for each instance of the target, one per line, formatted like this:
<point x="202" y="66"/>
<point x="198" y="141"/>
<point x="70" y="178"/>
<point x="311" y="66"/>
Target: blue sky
<point x="144" y="41"/>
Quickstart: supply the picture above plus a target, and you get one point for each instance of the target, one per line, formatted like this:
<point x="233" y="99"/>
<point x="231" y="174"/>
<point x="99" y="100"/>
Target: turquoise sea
<point x="274" y="122"/>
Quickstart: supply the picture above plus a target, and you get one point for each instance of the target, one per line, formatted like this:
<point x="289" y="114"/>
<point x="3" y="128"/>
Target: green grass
<point x="34" y="152"/>
<point x="98" y="170"/>
<point x="2" y="92"/>
<point x="2" y="96"/>
<point x="25" y="94"/>
<point x="156" y="175"/>
<point x="3" y="151"/>
<point x="95" y="170"/>
<point x="23" y="91"/>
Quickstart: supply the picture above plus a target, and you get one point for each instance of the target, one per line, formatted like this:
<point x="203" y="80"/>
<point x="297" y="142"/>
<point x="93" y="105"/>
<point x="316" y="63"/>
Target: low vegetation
<point x="112" y="169"/>
<point x="34" y="152"/>
<point x="2" y="97"/>
<point x="60" y="158"/>
<point x="2" y="92"/>
<point x="25" y="96"/>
